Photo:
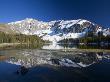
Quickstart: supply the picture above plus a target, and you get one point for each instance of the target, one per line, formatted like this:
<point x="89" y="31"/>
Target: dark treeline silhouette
<point x="89" y="39"/>
<point x="19" y="38"/>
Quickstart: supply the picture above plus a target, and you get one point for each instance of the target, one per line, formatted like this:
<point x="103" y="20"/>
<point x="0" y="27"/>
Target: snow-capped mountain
<point x="57" y="30"/>
<point x="29" y="26"/>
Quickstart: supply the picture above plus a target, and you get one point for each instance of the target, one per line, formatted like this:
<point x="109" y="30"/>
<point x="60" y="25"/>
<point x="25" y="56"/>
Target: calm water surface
<point x="36" y="65"/>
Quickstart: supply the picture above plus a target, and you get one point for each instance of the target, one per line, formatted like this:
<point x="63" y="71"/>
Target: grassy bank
<point x="4" y="46"/>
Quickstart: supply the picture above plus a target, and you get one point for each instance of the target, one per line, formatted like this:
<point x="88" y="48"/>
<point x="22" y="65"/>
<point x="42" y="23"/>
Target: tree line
<point x="19" y="38"/>
<point x="89" y="38"/>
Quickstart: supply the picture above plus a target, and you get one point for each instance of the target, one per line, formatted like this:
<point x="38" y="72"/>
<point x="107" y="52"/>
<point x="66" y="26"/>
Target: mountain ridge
<point x="57" y="30"/>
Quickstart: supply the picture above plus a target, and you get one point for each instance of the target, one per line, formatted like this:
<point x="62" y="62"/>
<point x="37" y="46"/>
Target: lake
<point x="53" y="63"/>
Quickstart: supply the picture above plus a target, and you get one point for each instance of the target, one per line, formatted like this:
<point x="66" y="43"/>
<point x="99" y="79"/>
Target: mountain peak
<point x="58" y="29"/>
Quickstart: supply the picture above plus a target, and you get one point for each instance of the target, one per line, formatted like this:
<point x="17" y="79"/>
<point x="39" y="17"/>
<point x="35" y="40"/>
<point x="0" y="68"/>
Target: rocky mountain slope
<point x="55" y="30"/>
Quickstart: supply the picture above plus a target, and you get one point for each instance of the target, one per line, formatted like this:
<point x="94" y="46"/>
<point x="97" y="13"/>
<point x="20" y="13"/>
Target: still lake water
<point x="40" y="65"/>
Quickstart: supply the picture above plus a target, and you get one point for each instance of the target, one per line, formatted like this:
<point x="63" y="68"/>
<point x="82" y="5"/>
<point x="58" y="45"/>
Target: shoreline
<point x="85" y="50"/>
<point x="5" y="45"/>
<point x="9" y="44"/>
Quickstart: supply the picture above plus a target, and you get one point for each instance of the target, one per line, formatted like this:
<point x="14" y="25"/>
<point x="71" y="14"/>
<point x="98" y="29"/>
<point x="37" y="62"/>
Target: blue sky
<point x="97" y="11"/>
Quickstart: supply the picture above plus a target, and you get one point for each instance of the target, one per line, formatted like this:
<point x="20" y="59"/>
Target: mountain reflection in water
<point x="32" y="58"/>
<point x="33" y="65"/>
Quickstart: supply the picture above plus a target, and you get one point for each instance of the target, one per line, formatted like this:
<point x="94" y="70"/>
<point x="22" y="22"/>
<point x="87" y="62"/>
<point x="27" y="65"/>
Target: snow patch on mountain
<point x="56" y="30"/>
